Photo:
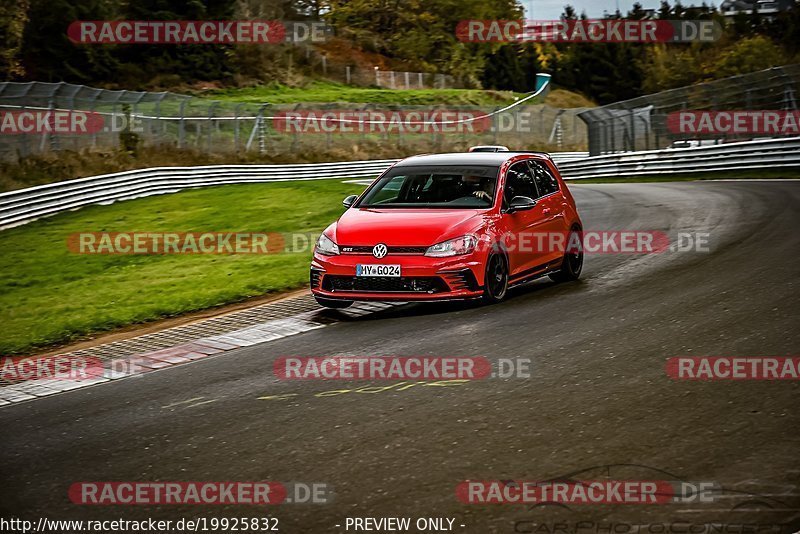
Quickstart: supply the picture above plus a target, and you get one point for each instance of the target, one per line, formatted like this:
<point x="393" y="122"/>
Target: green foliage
<point x="187" y="62"/>
<point x="129" y="141"/>
<point x="619" y="71"/>
<point x="422" y="32"/>
<point x="747" y="55"/>
<point x="419" y="35"/>
<point x="509" y="67"/>
<point x="13" y="18"/>
<point x="336" y="92"/>
<point x="47" y="53"/>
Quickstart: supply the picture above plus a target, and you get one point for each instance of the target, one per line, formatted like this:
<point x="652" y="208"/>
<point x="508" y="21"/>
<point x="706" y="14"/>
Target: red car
<point x="450" y="226"/>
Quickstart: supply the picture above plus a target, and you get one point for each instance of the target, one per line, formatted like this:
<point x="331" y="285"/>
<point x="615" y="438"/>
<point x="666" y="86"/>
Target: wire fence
<point x="413" y="80"/>
<point x="731" y="109"/>
<point x="131" y="119"/>
<point x="690" y="116"/>
<point x="319" y="65"/>
<point x="386" y="79"/>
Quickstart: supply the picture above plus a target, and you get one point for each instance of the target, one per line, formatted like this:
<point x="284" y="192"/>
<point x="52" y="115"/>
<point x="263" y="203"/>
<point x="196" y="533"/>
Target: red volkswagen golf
<point x="450" y="226"/>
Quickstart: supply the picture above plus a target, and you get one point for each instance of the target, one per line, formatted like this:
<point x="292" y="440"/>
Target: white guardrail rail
<point x="25" y="205"/>
<point x="765" y="154"/>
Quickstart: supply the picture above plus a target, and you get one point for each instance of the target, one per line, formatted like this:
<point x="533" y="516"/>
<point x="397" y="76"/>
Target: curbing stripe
<point x="183" y="345"/>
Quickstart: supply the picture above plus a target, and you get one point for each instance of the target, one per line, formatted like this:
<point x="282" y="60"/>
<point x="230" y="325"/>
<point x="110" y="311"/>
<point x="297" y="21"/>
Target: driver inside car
<point x="484" y="187"/>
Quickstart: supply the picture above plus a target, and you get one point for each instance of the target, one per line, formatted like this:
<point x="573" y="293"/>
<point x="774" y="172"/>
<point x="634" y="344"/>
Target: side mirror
<point x="348" y="201"/>
<point x="520" y="204"/>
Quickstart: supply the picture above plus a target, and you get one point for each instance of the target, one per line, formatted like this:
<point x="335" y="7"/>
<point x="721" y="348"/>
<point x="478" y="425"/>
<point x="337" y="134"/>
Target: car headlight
<point x="326" y="246"/>
<point x="453" y="247"/>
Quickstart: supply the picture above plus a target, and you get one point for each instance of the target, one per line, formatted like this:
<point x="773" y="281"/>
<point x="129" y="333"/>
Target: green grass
<point x="50" y="295"/>
<point x="319" y="92"/>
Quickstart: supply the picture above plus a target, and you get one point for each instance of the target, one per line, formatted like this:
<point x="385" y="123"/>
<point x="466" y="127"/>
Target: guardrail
<point x="22" y="206"/>
<point x="25" y="205"/>
<point x="750" y="155"/>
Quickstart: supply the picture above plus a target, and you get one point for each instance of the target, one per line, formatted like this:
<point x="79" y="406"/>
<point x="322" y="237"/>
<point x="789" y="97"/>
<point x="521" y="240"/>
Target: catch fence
<point x="699" y="115"/>
<point x="132" y="119"/>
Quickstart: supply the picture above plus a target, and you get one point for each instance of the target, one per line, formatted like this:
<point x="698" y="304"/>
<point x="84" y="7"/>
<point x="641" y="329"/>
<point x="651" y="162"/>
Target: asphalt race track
<point x="598" y="403"/>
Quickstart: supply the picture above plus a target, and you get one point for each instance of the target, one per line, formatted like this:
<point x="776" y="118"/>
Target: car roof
<point x="466" y="158"/>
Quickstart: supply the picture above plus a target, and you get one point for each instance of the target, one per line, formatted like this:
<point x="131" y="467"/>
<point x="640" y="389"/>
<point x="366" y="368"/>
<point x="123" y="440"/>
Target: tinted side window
<point x="545" y="181"/>
<point x="519" y="182"/>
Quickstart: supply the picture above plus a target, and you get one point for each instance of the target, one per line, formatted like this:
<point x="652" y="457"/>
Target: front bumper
<point x="423" y="278"/>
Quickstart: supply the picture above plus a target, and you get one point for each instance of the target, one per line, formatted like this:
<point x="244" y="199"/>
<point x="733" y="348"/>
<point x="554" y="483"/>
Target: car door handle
<point x="546" y="211"/>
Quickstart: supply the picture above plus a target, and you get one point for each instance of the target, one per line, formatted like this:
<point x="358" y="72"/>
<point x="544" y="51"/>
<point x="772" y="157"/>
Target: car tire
<point x="572" y="264"/>
<point x="495" y="282"/>
<point x="333" y="303"/>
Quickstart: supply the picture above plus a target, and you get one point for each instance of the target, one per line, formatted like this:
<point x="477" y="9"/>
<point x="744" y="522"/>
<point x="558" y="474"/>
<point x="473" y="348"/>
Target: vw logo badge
<point x="379" y="250"/>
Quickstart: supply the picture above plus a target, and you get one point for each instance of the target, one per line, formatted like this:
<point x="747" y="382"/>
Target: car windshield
<point x="466" y="187"/>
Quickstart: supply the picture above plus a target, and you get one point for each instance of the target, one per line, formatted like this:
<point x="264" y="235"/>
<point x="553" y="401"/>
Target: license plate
<point x="378" y="270"/>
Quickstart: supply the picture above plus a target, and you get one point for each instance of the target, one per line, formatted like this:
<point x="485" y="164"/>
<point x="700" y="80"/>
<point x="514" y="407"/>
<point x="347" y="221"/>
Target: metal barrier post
<point x="211" y="110"/>
<point x="262" y="130"/>
<point x="182" y="123"/>
<point x="236" y="127"/>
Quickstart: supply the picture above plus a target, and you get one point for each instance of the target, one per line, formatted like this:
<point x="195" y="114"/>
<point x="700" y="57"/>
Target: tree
<point x="745" y="56"/>
<point x="48" y="54"/>
<point x="183" y="63"/>
<point x="569" y="13"/>
<point x="665" y="10"/>
<point x="13" y="18"/>
<point x="636" y="12"/>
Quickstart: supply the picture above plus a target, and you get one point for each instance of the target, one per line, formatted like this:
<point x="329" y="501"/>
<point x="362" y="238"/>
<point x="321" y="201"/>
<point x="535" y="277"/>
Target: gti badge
<point x="379" y="250"/>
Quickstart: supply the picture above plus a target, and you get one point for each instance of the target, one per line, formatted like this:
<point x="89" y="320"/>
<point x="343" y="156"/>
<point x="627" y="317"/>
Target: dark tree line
<point x="416" y="34"/>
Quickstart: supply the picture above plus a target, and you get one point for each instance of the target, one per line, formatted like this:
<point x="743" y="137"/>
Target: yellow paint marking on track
<point x="284" y="396"/>
<point x="400" y="386"/>
<point x="395" y="387"/>
<point x="182" y="402"/>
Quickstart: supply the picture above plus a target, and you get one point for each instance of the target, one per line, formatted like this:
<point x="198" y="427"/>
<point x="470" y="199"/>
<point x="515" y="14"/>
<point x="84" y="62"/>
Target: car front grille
<point x="346" y="249"/>
<point x="384" y="284"/>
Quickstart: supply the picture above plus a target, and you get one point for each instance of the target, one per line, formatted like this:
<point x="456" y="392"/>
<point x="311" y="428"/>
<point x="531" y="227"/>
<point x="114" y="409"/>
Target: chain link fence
<point x="131" y="118"/>
<point x="386" y="79"/>
<point x="413" y="80"/>
<point x="699" y="114"/>
<point x="319" y="65"/>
